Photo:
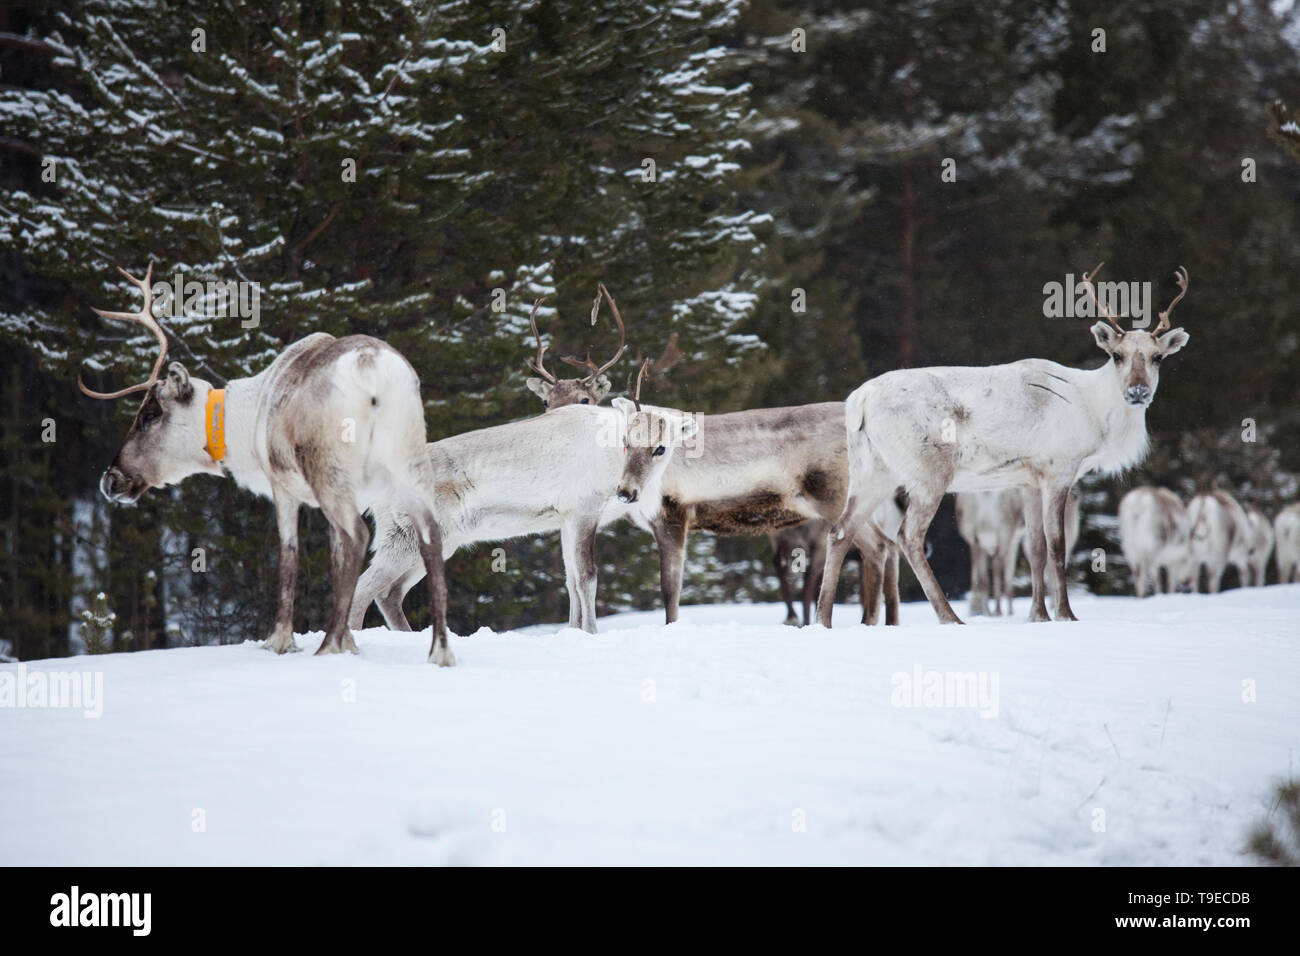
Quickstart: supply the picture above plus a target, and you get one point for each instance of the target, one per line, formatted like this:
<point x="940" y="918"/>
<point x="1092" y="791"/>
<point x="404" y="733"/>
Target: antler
<point x="588" y="364"/>
<point x="1183" y="282"/>
<point x="538" y="366"/>
<point x="1087" y="283"/>
<point x="143" y="317"/>
<point x="636" y="396"/>
<point x="670" y="357"/>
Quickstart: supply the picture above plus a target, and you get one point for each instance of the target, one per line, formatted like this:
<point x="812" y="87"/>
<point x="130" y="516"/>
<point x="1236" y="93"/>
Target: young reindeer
<point x="555" y="472"/>
<point x="1031" y="424"/>
<point x="336" y="424"/>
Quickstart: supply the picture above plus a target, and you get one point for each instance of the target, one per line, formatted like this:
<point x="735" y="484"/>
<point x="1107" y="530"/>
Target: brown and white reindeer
<point x="1286" y="529"/>
<point x="1153" y="534"/>
<point x="560" y="471"/>
<point x="761" y="471"/>
<point x="1218" y="536"/>
<point x="336" y="424"/>
<point x="1032" y="424"/>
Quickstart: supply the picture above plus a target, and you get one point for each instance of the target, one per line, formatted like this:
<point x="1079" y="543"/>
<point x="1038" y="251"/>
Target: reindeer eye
<point x="150" y="413"/>
<point x="586" y="401"/>
<point x="659" y="451"/>
<point x="1117" y="357"/>
<point x="1157" y="360"/>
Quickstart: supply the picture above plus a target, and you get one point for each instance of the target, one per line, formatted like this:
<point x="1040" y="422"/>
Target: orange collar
<point x="215" y="423"/>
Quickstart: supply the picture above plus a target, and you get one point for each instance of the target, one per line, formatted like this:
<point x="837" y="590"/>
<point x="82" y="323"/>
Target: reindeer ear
<point x="1107" y="338"/>
<point x="624" y="405"/>
<point x="539" y="388"/>
<point x="600" y="388"/>
<point x="178" y="378"/>
<point x="1172" y="341"/>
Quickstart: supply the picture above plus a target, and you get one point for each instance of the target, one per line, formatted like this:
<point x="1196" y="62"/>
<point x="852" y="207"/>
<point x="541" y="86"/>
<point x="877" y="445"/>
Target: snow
<point x="725" y="738"/>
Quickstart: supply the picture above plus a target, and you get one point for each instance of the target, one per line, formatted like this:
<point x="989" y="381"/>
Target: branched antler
<point x="1183" y="281"/>
<point x="595" y="370"/>
<point x="143" y="317"/>
<point x="539" y="365"/>
<point x="1087" y="283"/>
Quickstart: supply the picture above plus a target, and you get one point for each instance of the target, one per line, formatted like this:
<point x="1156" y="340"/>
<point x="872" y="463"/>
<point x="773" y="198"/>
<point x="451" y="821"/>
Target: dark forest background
<point x="798" y="153"/>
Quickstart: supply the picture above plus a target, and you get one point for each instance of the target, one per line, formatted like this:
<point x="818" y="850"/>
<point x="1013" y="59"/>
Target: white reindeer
<point x="1153" y="534"/>
<point x="1032" y="424"/>
<point x="1259" y="546"/>
<point x="992" y="523"/>
<point x="336" y="424"/>
<point x="573" y="469"/>
<point x="1286" y="528"/>
<point x="1219" y="536"/>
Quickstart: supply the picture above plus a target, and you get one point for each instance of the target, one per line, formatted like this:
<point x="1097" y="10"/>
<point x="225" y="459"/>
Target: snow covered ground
<point x="1149" y="733"/>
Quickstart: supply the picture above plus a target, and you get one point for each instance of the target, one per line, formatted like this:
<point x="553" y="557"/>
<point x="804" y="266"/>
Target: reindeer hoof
<point x="442" y="656"/>
<point x="1037" y="616"/>
<point x="792" y="621"/>
<point x="280" y="643"/>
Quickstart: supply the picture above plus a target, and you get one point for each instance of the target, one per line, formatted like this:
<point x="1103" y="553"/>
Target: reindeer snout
<point x="1137" y="394"/>
<point x="627" y="496"/>
<point x="116" y="486"/>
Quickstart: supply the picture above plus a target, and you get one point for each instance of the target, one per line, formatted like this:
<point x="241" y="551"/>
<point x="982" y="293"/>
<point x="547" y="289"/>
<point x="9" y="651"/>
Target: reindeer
<point x="1259" y="546"/>
<point x="557" y="471"/>
<point x="1219" y="535"/>
<point x="1286" y="528"/>
<point x="1153" y="534"/>
<point x="336" y="424"/>
<point x="761" y="471"/>
<point x="1032" y="424"/>
<point x="993" y="524"/>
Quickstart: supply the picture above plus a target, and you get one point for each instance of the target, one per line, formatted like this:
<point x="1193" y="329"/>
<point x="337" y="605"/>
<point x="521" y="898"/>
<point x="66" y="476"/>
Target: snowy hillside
<point x="726" y="738"/>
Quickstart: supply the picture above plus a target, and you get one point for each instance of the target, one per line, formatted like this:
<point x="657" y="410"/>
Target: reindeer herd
<point x="338" y="424"/>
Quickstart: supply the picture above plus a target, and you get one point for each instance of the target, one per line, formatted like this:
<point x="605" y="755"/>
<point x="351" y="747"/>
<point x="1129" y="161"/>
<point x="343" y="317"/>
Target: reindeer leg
<point x="891" y="584"/>
<point x="921" y="506"/>
<point x="838" y="542"/>
<point x="586" y="572"/>
<point x="1054" y="504"/>
<point x="978" y="584"/>
<point x="390" y="604"/>
<point x="996" y="576"/>
<point x="812" y="576"/>
<point x="569" y="548"/>
<point x="429" y="536"/>
<point x="670" y="535"/>
<point x="394" y="569"/>
<point x="286" y="518"/>
<point x="1031" y="500"/>
<point x="781" y="563"/>
<point x="871" y="552"/>
<point x="348" y="539"/>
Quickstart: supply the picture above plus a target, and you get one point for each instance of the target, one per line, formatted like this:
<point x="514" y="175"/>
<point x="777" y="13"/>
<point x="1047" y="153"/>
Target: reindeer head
<point x="591" y="390"/>
<point x="649" y="438"/>
<point x="167" y="439"/>
<point x="1135" y="355"/>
